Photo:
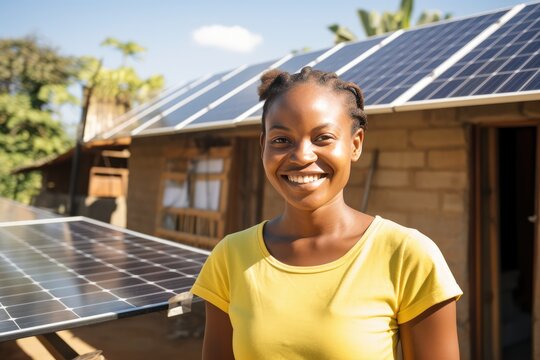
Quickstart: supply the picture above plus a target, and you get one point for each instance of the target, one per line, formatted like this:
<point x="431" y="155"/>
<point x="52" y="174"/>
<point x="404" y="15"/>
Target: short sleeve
<point x="212" y="284"/>
<point x="425" y="278"/>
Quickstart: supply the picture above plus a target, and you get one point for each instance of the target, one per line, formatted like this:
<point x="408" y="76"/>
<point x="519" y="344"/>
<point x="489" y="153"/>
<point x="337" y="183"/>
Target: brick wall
<point x="145" y="167"/>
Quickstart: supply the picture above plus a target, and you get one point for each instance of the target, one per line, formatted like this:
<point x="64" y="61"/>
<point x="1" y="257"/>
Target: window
<point x="193" y="197"/>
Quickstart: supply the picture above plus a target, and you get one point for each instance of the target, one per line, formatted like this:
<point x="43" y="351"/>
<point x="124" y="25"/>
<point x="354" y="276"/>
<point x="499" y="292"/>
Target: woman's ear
<point x="357" y="142"/>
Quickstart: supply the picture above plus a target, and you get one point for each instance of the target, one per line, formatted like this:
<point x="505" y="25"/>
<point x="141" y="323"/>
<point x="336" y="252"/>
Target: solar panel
<point x="400" y="64"/>
<point x="507" y="61"/>
<point x="182" y="113"/>
<point x="246" y="98"/>
<point x="168" y="102"/>
<point x="61" y="273"/>
<point x="134" y="113"/>
<point x="347" y="54"/>
<point x="337" y="60"/>
<point x="12" y="211"/>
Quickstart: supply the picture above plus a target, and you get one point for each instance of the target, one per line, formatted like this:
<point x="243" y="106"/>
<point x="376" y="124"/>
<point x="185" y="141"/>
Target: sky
<point x="188" y="39"/>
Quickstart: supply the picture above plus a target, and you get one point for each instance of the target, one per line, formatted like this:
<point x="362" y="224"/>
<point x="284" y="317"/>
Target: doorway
<point x="505" y="201"/>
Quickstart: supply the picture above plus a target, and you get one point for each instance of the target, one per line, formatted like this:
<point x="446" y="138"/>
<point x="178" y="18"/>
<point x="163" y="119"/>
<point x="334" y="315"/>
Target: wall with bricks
<point x="421" y="179"/>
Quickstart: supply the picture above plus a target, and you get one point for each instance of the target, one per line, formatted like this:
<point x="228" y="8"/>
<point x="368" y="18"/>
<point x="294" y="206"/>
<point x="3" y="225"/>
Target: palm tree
<point x="129" y="49"/>
<point x="374" y="23"/>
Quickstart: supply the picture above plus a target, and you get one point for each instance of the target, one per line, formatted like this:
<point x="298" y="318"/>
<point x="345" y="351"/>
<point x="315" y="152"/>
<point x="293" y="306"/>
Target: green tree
<point x="33" y="77"/>
<point x="26" y="134"/>
<point x="36" y="70"/>
<point x="374" y="23"/>
<point x="122" y="85"/>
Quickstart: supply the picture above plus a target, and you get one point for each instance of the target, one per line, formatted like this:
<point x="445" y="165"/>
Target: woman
<point x="323" y="280"/>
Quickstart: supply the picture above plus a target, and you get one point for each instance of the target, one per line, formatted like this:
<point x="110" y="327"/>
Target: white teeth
<point x="303" y="179"/>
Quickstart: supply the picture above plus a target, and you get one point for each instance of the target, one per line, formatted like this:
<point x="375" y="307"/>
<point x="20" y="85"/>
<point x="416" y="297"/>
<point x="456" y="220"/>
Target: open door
<point x="504" y="254"/>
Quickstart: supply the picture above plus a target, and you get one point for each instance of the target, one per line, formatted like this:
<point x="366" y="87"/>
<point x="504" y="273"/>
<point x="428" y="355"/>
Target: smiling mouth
<point x="298" y="179"/>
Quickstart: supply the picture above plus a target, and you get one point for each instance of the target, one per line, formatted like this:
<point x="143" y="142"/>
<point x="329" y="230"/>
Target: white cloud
<point x="232" y="38"/>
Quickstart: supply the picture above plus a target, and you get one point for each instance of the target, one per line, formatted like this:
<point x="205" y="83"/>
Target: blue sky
<point x="166" y="27"/>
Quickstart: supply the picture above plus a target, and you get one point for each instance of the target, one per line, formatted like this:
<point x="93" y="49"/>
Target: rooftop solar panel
<point x="152" y="113"/>
<point x="507" y="61"/>
<point x="134" y="113"/>
<point x="184" y="112"/>
<point x="400" y="64"/>
<point x="61" y="273"/>
<point x="347" y="54"/>
<point x="336" y="61"/>
<point x="246" y="98"/>
<point x="12" y="211"/>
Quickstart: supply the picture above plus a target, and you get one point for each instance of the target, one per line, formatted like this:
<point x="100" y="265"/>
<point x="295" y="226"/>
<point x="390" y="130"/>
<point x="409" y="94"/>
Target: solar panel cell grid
<point x="70" y="270"/>
<point x="400" y="64"/>
<point x="507" y="61"/>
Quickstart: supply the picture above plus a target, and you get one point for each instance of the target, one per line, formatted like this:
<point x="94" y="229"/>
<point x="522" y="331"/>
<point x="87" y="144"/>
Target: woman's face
<point x="307" y="147"/>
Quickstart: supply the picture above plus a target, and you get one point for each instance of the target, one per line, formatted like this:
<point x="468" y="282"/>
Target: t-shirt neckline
<point x="353" y="251"/>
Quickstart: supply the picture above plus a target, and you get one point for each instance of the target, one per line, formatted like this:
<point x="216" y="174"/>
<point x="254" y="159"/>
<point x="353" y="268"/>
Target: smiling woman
<point x="323" y="280"/>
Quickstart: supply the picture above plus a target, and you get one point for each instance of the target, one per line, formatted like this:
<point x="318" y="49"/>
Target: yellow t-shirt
<point x="349" y="308"/>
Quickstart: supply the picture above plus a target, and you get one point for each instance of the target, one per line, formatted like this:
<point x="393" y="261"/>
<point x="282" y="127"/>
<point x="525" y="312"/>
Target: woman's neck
<point x="326" y="220"/>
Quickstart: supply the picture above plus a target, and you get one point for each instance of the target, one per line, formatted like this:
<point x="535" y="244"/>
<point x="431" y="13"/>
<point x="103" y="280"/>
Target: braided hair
<point x="276" y="82"/>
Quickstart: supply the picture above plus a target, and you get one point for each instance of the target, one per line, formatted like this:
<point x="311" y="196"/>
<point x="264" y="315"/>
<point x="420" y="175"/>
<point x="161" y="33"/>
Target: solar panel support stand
<point x="61" y="350"/>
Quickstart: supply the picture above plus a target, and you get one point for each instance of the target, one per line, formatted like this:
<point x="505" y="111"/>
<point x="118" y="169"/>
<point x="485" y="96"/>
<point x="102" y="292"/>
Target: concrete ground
<point x="148" y="336"/>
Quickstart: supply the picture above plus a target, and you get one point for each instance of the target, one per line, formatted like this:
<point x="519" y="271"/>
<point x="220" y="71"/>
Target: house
<point x="452" y="149"/>
<point x="102" y="181"/>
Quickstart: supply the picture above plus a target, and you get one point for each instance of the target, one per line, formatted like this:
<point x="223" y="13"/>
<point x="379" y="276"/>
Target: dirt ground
<point x="148" y="336"/>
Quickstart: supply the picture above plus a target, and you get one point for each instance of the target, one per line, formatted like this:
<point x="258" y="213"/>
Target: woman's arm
<point x="217" y="342"/>
<point x="432" y="334"/>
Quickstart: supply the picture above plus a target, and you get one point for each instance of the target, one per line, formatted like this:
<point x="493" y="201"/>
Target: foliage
<point x="374" y="23"/>
<point x="26" y="134"/>
<point x="121" y="86"/>
<point x="27" y="67"/>
<point x="128" y="49"/>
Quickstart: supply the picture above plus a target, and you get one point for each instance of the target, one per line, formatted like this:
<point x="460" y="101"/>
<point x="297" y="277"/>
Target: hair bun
<point x="270" y="81"/>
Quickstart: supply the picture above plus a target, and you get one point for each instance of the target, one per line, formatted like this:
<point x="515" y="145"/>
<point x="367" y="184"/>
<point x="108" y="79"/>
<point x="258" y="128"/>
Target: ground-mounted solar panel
<point x="14" y="211"/>
<point x="247" y="97"/>
<point x="201" y="102"/>
<point x="151" y="113"/>
<point x="396" y="67"/>
<point x="62" y="273"/>
<point x="507" y="61"/>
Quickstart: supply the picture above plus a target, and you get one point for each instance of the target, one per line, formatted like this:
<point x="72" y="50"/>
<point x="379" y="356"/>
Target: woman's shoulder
<point x="240" y="239"/>
<point x="400" y="236"/>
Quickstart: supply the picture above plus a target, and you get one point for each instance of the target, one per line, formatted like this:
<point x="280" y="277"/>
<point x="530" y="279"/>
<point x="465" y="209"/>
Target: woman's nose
<point x="303" y="153"/>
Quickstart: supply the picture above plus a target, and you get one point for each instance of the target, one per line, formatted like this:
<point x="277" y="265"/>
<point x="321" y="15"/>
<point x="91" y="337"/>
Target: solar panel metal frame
<point x="105" y="314"/>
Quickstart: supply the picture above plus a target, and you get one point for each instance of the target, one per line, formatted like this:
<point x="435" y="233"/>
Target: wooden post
<point x="536" y="260"/>
<point x="494" y="241"/>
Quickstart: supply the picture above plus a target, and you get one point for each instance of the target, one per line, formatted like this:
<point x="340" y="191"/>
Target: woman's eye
<point x="280" y="140"/>
<point x="324" y="137"/>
